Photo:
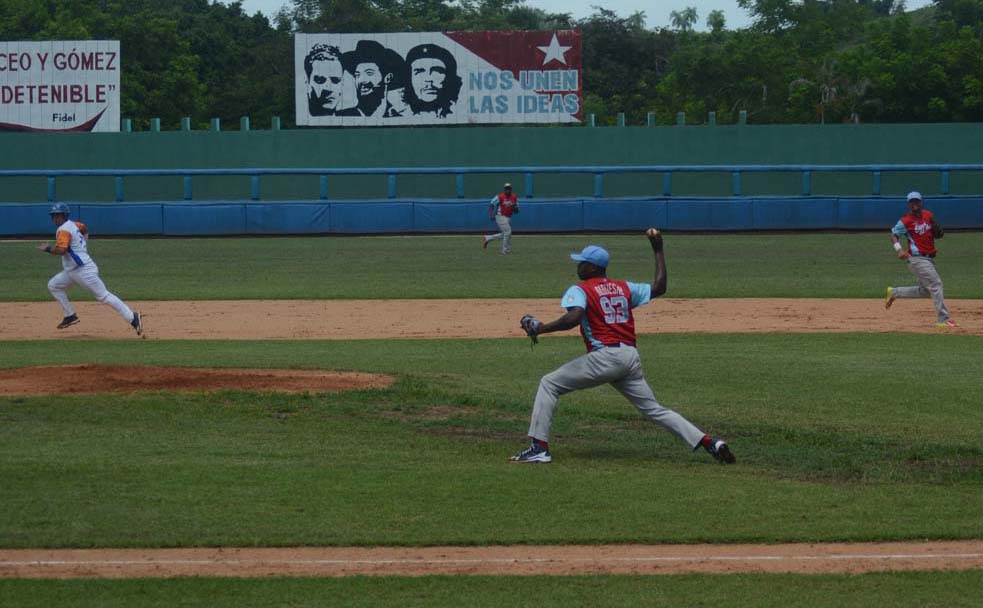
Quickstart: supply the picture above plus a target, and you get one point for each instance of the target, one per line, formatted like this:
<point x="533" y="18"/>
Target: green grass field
<point x="921" y="589"/>
<point x="833" y="430"/>
<point x="839" y="437"/>
<point x="855" y="265"/>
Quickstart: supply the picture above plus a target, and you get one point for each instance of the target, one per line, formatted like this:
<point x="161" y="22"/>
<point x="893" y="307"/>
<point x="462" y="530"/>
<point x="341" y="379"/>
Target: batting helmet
<point x="61" y="208"/>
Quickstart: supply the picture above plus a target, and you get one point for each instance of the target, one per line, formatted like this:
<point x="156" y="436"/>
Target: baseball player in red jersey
<point x="500" y="210"/>
<point x="602" y="308"/>
<point x="71" y="240"/>
<point x="920" y="229"/>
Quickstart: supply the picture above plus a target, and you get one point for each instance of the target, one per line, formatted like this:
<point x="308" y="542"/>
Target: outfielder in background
<point x="920" y="229"/>
<point x="500" y="210"/>
<point x="602" y="308"/>
<point x="80" y="269"/>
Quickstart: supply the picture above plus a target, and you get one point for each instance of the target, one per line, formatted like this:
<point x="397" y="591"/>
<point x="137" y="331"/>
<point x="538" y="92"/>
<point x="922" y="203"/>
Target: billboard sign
<point x="59" y="86"/>
<point x="436" y="78"/>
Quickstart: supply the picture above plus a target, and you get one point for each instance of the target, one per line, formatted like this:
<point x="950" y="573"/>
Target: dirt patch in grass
<point x="87" y="379"/>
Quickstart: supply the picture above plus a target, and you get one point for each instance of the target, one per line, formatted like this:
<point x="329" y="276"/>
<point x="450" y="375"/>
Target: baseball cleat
<point x="68" y="321"/>
<point x="137" y="323"/>
<point x="890" y="297"/>
<point x="719" y="450"/>
<point x="533" y="454"/>
<point x="946" y="324"/>
<point x="484" y="242"/>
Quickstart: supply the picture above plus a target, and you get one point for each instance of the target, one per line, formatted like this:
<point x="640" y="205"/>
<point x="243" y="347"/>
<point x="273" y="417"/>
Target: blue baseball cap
<point x="593" y="254"/>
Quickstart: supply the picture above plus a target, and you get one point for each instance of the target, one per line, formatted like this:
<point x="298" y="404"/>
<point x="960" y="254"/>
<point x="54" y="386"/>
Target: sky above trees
<point x="658" y="13"/>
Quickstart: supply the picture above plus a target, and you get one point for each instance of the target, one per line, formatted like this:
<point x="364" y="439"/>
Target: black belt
<point x="924" y="255"/>
<point x="615" y="345"/>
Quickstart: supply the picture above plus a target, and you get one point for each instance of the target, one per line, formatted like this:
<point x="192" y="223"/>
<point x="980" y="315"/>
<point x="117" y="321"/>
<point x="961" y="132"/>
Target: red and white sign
<point x="357" y="80"/>
<point x="59" y="86"/>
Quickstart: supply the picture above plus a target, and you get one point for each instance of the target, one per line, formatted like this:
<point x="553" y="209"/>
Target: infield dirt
<point x="503" y="560"/>
<point x="383" y="319"/>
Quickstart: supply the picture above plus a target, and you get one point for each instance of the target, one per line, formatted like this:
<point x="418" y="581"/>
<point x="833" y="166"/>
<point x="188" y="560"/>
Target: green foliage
<point x="823" y="61"/>
<point x="623" y="64"/>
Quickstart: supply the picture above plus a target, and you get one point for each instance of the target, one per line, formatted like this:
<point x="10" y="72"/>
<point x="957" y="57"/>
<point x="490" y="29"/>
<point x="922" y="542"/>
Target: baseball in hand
<point x="652" y="232"/>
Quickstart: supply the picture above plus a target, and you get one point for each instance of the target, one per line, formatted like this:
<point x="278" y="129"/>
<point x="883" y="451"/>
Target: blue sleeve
<point x="899" y="229"/>
<point x="641" y="293"/>
<point x="573" y="297"/>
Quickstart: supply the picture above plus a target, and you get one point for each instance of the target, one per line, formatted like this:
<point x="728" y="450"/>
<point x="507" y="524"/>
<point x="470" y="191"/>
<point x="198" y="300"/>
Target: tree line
<point x="800" y="61"/>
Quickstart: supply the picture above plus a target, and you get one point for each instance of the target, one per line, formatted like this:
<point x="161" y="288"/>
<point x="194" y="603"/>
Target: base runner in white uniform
<point x="80" y="269"/>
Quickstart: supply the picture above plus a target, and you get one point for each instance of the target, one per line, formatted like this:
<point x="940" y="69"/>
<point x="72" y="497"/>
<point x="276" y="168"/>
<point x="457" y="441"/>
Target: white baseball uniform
<point x="80" y="269"/>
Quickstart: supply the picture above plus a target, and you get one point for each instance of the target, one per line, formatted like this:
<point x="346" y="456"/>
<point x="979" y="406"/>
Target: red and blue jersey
<point x="505" y="204"/>
<point x="918" y="229"/>
<point x="608" y="304"/>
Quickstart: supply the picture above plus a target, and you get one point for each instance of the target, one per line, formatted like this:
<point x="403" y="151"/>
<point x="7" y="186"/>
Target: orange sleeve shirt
<point x="63" y="238"/>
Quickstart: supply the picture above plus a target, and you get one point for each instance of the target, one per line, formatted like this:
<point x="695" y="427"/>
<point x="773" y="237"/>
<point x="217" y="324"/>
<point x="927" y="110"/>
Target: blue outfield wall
<point x="388" y="216"/>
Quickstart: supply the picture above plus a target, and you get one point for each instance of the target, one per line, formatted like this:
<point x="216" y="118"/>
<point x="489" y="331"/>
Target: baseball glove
<point x="937" y="230"/>
<point x="531" y="325"/>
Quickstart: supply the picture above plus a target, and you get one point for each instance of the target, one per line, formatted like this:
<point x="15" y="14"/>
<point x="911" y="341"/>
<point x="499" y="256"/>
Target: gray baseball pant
<point x="929" y="285"/>
<point x="505" y="228"/>
<point x="621" y="368"/>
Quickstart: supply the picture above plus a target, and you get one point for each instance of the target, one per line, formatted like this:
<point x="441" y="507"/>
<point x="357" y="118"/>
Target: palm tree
<point x="683" y="20"/>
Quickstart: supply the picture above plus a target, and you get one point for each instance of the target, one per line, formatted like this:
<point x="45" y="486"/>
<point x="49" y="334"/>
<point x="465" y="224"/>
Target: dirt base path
<point x="515" y="560"/>
<point x="364" y="319"/>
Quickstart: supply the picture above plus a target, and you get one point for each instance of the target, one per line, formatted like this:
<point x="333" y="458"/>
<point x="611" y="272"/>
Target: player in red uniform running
<point x="920" y="229"/>
<point x="500" y="210"/>
<point x="602" y="307"/>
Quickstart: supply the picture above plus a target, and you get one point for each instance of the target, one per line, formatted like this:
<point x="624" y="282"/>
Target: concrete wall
<point x="499" y="146"/>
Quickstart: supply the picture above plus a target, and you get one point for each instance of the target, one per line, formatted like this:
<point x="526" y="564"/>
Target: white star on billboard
<point x="554" y="51"/>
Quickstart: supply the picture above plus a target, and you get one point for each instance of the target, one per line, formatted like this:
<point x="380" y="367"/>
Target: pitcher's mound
<point x="81" y="379"/>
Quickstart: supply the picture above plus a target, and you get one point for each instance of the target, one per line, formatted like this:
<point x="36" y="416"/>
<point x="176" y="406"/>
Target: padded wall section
<point x="451" y="216"/>
<point x="710" y="214"/>
<point x="29" y="219"/>
<point x="192" y="219"/>
<point x="368" y="217"/>
<point x="288" y="218"/>
<point x="123" y="218"/>
<point x="958" y="212"/>
<point x="547" y="216"/>
<point x="794" y="214"/>
<point x="471" y="216"/>
<point x="625" y="214"/>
